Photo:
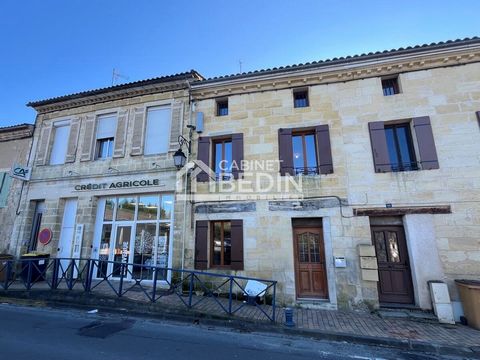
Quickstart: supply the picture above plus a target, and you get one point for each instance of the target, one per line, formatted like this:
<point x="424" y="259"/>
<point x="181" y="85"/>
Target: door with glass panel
<point x="122" y="253"/>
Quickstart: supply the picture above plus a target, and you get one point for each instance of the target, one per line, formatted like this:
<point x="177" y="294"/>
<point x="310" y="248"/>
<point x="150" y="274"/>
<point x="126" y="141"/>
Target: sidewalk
<point x="350" y="326"/>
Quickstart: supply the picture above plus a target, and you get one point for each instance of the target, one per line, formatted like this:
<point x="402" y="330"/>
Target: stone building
<point x="15" y="144"/>
<point x="103" y="179"/>
<point x="384" y="151"/>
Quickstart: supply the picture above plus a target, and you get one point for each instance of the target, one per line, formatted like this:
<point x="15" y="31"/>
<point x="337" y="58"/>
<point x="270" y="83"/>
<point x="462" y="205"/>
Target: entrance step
<point x="412" y="314"/>
<point x="316" y="304"/>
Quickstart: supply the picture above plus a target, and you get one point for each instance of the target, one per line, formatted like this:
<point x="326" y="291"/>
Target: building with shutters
<point x="103" y="178"/>
<point x="15" y="144"/>
<point x="385" y="149"/>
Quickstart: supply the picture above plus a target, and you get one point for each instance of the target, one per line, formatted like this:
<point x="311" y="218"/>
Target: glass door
<point x="122" y="250"/>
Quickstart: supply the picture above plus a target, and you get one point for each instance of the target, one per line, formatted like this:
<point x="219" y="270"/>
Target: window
<point x="221" y="243"/>
<point x="304" y="153"/>
<point x="222" y="157"/>
<point x="300" y="98"/>
<point x="5" y="181"/>
<point x="400" y="147"/>
<point x="390" y="86"/>
<point x="60" y="143"/>
<point x="106" y="127"/>
<point x="222" y="107"/>
<point x="157" y="130"/>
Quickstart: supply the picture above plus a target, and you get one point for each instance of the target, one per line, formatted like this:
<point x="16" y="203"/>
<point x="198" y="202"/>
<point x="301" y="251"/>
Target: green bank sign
<point x="118" y="185"/>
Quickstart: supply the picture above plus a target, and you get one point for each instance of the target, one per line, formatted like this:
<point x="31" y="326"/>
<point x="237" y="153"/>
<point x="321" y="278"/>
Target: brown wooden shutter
<point x="176" y="125"/>
<point x="73" y="140"/>
<point x="324" y="149"/>
<point x="285" y="151"/>
<point x="43" y="142"/>
<point x="201" y="245"/>
<point x="138" y="131"/>
<point x="237" y="244"/>
<point x="121" y="134"/>
<point x="381" y="158"/>
<point x="87" y="146"/>
<point x="203" y="155"/>
<point x="237" y="154"/>
<point x="425" y="143"/>
<point x="478" y="117"/>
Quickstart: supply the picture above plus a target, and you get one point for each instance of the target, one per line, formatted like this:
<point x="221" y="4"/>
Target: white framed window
<point x="105" y="136"/>
<point x="157" y="130"/>
<point x="60" y="143"/>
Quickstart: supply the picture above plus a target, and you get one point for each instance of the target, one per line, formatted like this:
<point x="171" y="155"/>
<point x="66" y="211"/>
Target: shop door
<point x="122" y="251"/>
<point x="310" y="269"/>
<point x="67" y="232"/>
<point x="395" y="281"/>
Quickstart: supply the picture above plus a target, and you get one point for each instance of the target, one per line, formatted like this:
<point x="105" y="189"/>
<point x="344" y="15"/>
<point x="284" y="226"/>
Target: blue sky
<point x="50" y="48"/>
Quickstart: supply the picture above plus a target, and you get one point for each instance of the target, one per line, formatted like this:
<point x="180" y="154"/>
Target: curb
<point x="147" y="310"/>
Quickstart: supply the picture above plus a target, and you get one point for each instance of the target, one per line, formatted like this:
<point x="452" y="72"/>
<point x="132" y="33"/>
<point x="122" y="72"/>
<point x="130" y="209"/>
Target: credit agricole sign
<point x="118" y="185"/>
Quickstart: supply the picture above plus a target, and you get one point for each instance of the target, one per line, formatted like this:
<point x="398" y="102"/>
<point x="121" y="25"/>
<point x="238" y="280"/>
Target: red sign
<point x="45" y="236"/>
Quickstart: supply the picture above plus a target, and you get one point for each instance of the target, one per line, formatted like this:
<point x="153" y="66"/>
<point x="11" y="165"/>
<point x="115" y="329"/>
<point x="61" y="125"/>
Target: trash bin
<point x="6" y="269"/>
<point x="470" y="296"/>
<point x="39" y="263"/>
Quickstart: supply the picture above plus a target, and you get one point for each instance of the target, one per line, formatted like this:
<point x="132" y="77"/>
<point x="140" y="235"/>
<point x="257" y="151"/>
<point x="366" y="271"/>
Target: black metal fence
<point x="193" y="289"/>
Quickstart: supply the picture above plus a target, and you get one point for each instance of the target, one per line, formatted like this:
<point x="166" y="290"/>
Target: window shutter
<point x="73" y="140"/>
<point x="237" y="244"/>
<point x="285" y="151"/>
<point x="478" y="117"/>
<point x="88" y="136"/>
<point x="121" y="134"/>
<point x="201" y="245"/>
<point x="324" y="149"/>
<point x="237" y="154"/>
<point x="381" y="158"/>
<point x="176" y="125"/>
<point x="5" y="181"/>
<point x="44" y="141"/>
<point x="203" y="155"/>
<point x="138" y="131"/>
<point x="425" y="142"/>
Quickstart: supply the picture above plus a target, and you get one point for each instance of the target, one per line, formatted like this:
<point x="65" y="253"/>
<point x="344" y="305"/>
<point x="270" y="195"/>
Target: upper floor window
<point x="390" y="86"/>
<point x="5" y="181"/>
<point x="61" y="132"/>
<point x="394" y="147"/>
<point x="222" y="107"/>
<point x="222" y="155"/>
<point x="157" y="130"/>
<point x="304" y="153"/>
<point x="300" y="98"/>
<point x="400" y="147"/>
<point x="105" y="136"/>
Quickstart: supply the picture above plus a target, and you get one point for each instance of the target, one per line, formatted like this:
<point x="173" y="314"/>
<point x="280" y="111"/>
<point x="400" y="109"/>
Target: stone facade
<point x="15" y="143"/>
<point x="442" y="84"/>
<point x="437" y="209"/>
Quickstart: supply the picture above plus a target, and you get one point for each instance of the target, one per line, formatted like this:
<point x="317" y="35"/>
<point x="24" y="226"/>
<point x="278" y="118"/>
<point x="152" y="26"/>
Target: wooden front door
<point x="395" y="280"/>
<point x="310" y="269"/>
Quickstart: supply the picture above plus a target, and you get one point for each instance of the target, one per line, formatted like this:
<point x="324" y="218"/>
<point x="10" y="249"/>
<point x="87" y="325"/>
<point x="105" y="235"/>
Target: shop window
<point x="222" y="157"/>
<point x="105" y="136"/>
<point x="126" y="209"/>
<point x="222" y="107"/>
<point x="148" y="207"/>
<point x="390" y="86"/>
<point x="58" y="152"/>
<point x="157" y="130"/>
<point x="300" y="98"/>
<point x="166" y="211"/>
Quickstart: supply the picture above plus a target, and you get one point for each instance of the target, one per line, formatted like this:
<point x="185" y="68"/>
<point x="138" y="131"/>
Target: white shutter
<point x="106" y="126"/>
<point x="60" y="143"/>
<point x="157" y="132"/>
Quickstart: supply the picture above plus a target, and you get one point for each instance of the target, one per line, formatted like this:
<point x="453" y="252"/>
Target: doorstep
<point x="316" y="304"/>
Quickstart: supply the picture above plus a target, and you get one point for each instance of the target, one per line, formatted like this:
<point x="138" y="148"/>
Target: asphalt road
<point x="41" y="333"/>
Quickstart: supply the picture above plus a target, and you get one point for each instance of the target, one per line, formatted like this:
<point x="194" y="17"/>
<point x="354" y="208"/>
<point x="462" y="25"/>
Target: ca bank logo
<point x="20" y="172"/>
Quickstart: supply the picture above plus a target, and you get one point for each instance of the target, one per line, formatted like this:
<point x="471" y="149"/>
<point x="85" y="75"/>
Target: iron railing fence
<point x="193" y="289"/>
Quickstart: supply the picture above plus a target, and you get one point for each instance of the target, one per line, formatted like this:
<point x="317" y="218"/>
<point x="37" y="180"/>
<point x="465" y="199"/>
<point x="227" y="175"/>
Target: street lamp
<point x="179" y="159"/>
